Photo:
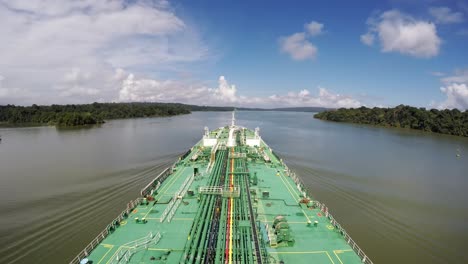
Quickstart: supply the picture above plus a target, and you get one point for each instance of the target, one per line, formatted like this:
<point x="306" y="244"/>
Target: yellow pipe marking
<point x="110" y="248"/>
<point x="230" y="232"/>
<point x="232" y="206"/>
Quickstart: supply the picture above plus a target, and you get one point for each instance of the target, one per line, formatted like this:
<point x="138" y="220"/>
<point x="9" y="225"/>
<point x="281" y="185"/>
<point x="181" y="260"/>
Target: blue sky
<point x="277" y="53"/>
<point x="246" y="34"/>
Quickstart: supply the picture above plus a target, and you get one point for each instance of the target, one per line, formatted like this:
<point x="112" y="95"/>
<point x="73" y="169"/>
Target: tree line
<point x="86" y="114"/>
<point x="451" y="122"/>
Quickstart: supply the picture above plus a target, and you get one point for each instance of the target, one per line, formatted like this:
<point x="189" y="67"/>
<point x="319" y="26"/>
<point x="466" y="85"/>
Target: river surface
<point x="402" y="195"/>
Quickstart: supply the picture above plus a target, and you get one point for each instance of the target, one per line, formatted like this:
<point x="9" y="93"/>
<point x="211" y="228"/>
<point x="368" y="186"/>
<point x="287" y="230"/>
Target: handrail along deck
<point x="93" y="244"/>
<point x="301" y="187"/>
<point x="160" y="178"/>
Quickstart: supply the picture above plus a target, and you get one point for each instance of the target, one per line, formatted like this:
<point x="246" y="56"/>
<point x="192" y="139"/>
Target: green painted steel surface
<point x="220" y="226"/>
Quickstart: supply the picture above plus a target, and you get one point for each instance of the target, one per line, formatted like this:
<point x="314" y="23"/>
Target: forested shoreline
<point x="85" y="114"/>
<point x="97" y="113"/>
<point x="451" y="122"/>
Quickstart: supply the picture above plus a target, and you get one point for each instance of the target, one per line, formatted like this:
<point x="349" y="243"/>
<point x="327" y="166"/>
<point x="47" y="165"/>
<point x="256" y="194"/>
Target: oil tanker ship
<point x="229" y="199"/>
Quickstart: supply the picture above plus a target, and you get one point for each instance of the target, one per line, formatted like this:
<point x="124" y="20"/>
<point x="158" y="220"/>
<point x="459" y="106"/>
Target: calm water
<point x="402" y="195"/>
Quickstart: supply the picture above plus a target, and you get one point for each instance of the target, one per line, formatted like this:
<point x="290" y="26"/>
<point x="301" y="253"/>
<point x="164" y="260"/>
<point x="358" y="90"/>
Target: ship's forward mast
<point x="232" y="135"/>
<point x="233" y="119"/>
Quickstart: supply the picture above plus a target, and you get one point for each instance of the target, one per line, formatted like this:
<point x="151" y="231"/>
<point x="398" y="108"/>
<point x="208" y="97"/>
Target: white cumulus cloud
<point x="99" y="50"/>
<point x="69" y="51"/>
<point x="298" y="47"/>
<point x="150" y="90"/>
<point x="368" y="39"/>
<point x="460" y="76"/>
<point x="444" y="15"/>
<point x="457" y="96"/>
<point x="456" y="90"/>
<point x="225" y="91"/>
<point x="398" y="32"/>
<point x="314" y="28"/>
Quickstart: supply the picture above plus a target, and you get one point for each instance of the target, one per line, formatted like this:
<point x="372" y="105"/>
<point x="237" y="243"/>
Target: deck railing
<point x="365" y="259"/>
<point x="153" y="185"/>
<point x="127" y="250"/>
<point x="301" y="187"/>
<point x="175" y="202"/>
<point x="87" y="250"/>
<point x="156" y="182"/>
<point x="179" y="195"/>
<point x="220" y="190"/>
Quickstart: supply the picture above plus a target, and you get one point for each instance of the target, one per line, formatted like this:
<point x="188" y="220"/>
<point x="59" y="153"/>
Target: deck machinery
<point x="229" y="199"/>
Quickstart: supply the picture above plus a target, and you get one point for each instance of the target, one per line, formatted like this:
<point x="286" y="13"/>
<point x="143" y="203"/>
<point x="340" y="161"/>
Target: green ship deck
<point x="229" y="199"/>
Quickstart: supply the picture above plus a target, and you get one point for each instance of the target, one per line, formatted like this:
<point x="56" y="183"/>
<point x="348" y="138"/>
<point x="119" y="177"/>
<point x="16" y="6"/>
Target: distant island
<point x="96" y="113"/>
<point x="451" y="122"/>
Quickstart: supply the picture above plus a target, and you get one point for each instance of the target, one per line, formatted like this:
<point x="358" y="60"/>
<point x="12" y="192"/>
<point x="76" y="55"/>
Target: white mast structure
<point x="231" y="140"/>
<point x="233" y="120"/>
